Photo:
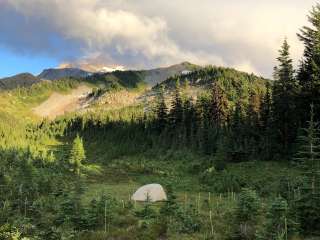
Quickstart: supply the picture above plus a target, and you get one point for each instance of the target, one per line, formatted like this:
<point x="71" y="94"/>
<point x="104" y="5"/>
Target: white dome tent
<point x="151" y="192"/>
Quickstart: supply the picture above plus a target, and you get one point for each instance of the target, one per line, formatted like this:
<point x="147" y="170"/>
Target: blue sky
<point x="91" y="34"/>
<point x="13" y="63"/>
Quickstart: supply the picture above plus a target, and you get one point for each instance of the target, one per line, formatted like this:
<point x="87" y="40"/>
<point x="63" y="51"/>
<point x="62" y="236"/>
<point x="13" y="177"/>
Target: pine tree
<point x="308" y="205"/>
<point x="285" y="90"/>
<point x="253" y="110"/>
<point x="161" y="111"/>
<point x="237" y="127"/>
<point x="246" y="213"/>
<point x="220" y="158"/>
<point x="309" y="72"/>
<point x="189" y="119"/>
<point x="177" y="107"/>
<point x="252" y="123"/>
<point x="218" y="106"/>
<point x="77" y="155"/>
<point x="170" y="207"/>
<point x="205" y="124"/>
<point x="176" y="117"/>
<point x="309" y="150"/>
<point x="278" y="224"/>
<point x="266" y="129"/>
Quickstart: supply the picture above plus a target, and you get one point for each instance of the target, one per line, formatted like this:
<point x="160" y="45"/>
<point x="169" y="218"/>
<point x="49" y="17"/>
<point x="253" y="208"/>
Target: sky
<point x="140" y="34"/>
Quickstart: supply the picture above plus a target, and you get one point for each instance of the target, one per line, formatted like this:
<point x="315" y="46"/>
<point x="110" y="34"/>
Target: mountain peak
<point x="19" y="80"/>
<point x="58" y="73"/>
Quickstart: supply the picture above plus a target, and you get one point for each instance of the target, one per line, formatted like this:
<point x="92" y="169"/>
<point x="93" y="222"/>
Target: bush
<point x="221" y="182"/>
<point x="248" y="205"/>
<point x="186" y="222"/>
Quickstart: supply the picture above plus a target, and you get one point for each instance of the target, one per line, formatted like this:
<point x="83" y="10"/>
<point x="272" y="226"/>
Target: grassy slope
<point x="16" y="110"/>
<point x="17" y="104"/>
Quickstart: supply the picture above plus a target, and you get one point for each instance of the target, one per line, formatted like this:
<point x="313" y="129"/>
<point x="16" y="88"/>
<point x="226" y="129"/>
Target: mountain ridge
<point x="19" y="80"/>
<point x="150" y="76"/>
<point x="58" y="73"/>
<point x="125" y="78"/>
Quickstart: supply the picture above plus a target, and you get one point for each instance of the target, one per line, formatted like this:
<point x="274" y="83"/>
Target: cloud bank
<point x="143" y="33"/>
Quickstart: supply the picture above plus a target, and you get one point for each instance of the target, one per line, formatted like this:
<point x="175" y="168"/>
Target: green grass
<point x="120" y="183"/>
<point x="17" y="104"/>
<point x="120" y="178"/>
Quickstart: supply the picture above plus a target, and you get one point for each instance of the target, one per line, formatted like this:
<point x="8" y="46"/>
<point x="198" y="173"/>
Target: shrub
<point x="248" y="205"/>
<point x="221" y="182"/>
<point x="278" y="223"/>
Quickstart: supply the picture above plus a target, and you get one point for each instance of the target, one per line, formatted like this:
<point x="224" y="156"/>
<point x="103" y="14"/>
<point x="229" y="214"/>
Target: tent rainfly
<point x="150" y="192"/>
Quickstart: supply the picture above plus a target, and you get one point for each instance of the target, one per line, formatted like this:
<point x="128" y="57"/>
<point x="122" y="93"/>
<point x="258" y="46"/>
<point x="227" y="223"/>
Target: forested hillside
<point x="238" y="155"/>
<point x="20" y="80"/>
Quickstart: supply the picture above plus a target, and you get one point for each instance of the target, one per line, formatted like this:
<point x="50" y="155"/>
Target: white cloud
<point x="245" y="67"/>
<point x="142" y="33"/>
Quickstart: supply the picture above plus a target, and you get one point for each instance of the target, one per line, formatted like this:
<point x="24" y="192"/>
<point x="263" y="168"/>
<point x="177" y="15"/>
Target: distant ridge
<point x="19" y="80"/>
<point x="58" y="73"/>
<point x="158" y="75"/>
<point x="150" y="77"/>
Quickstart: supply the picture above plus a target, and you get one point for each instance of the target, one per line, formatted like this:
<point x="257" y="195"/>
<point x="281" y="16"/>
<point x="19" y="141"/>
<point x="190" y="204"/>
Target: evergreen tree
<point x="218" y="106"/>
<point x="266" y="129"/>
<point x="177" y="107"/>
<point x="285" y="90"/>
<point x="309" y="150"/>
<point x="93" y="214"/>
<point x="204" y="120"/>
<point x="252" y="124"/>
<point x="189" y="119"/>
<point x="77" y="155"/>
<point x="238" y="133"/>
<point x="170" y="207"/>
<point x="308" y="204"/>
<point x="161" y="111"/>
<point x="220" y="158"/>
<point x="253" y="111"/>
<point x="246" y="213"/>
<point x="309" y="72"/>
<point x="278" y="224"/>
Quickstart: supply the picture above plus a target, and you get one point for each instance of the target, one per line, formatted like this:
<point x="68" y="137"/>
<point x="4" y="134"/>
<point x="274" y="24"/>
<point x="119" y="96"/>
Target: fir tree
<point x="237" y="127"/>
<point x="218" y="106"/>
<point x="266" y="129"/>
<point x="252" y="124"/>
<point x="308" y="205"/>
<point x="246" y="213"/>
<point x="177" y="106"/>
<point x="285" y="90"/>
<point x="278" y="224"/>
<point x="253" y="111"/>
<point x="189" y="119"/>
<point x="161" y="111"/>
<point x="309" y="150"/>
<point x="309" y="72"/>
<point x="77" y="155"/>
<point x="170" y="207"/>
